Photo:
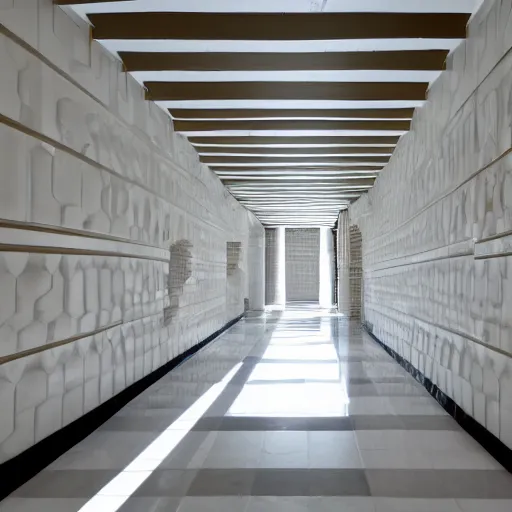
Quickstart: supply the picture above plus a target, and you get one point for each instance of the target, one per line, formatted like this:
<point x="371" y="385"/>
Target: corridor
<point x="288" y="411"/>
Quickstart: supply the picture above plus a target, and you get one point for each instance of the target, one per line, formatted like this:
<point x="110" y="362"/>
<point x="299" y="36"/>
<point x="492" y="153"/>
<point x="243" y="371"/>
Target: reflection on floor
<point x="288" y="411"/>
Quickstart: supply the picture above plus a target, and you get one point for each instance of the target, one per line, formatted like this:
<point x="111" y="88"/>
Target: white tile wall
<point x="84" y="151"/>
<point x="425" y="226"/>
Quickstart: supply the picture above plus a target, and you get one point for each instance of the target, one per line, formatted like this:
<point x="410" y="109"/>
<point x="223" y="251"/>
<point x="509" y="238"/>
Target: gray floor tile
<point x="208" y="424"/>
<point x="410" y="483"/>
<point x="333" y="450"/>
<point x="278" y="504"/>
<point x="403" y="422"/>
<point x="417" y="505"/>
<point x="380" y="422"/>
<point x="355" y="390"/>
<point x="150" y="505"/>
<point x="310" y="482"/>
<point x="266" y="423"/>
<point x="166" y="482"/>
<point x="135" y="424"/>
<point x="413" y="422"/>
<point x="403" y="483"/>
<point x="235" y="450"/>
<point x="66" y="484"/>
<point x="478" y="484"/>
<point x="214" y="504"/>
<point x="223" y="482"/>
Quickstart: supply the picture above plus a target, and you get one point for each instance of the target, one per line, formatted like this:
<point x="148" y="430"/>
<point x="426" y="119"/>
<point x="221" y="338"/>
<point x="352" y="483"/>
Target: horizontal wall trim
<point x="23" y="467"/>
<point x="494" y="237"/>
<point x="20" y="240"/>
<point x="55" y="344"/>
<point x="59" y="230"/>
<point x="494" y="255"/>
<point x="463" y="248"/>
<point x="501" y="452"/>
<point x="444" y="328"/>
<point x="497" y="247"/>
<point x="41" y="249"/>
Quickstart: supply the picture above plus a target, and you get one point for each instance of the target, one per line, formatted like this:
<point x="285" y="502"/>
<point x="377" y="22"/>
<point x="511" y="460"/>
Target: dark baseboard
<point x="15" y="472"/>
<point x="501" y="452"/>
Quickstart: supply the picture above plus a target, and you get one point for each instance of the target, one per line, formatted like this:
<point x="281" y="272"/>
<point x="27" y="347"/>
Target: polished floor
<point x="294" y="411"/>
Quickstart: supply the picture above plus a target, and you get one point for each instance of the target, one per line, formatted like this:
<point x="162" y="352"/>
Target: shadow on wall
<point x="180" y="270"/>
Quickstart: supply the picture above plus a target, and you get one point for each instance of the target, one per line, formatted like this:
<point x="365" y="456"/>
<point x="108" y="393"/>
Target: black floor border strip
<point x="20" y="469"/>
<point x="501" y="452"/>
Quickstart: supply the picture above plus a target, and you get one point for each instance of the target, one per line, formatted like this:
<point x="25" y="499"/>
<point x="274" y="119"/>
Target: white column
<point x="326" y="268"/>
<point x="344" y="264"/>
<point x="281" y="267"/>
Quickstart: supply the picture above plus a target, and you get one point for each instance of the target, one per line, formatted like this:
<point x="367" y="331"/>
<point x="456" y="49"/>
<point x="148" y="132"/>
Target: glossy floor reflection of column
<point x="294" y="411"/>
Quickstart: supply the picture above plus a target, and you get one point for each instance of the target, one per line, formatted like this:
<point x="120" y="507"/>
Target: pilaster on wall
<point x="275" y="266"/>
<point x="437" y="230"/>
<point x="96" y="193"/>
<point x="326" y="267"/>
<point x="343" y="254"/>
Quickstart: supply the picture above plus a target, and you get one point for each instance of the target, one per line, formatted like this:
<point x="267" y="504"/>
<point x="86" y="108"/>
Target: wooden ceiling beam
<point x="320" y="169"/>
<point x="351" y="91"/>
<point x="295" y="151"/>
<point x="425" y="60"/>
<point x="277" y="26"/>
<point x="328" y="139"/>
<point x="298" y="185"/>
<point x="209" y="126"/>
<point x="272" y="161"/>
<point x="254" y="113"/>
<point x="79" y="2"/>
<point x="289" y="185"/>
